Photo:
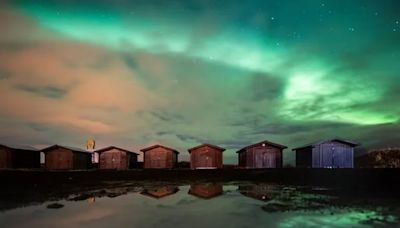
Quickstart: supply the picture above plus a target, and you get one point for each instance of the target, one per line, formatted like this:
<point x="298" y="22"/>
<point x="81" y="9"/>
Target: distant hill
<point x="382" y="158"/>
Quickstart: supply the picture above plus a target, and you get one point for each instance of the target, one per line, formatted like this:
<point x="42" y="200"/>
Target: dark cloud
<point x="168" y="116"/>
<point x="264" y="86"/>
<point x="4" y="75"/>
<point x="45" y="91"/>
<point x="129" y="60"/>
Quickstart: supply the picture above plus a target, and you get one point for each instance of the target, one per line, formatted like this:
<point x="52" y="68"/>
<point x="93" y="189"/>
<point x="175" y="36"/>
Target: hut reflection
<point x="160" y="192"/>
<point x="261" y="192"/>
<point x="206" y="190"/>
<point x="91" y="200"/>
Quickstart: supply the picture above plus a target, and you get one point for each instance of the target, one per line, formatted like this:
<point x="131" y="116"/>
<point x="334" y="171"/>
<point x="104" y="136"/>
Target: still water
<point x="202" y="205"/>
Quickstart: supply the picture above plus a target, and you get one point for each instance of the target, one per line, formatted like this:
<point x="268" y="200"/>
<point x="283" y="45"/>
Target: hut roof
<point x="160" y="192"/>
<point x="74" y="149"/>
<point x="158" y="145"/>
<point x="114" y="147"/>
<point x="350" y="143"/>
<point x="19" y="147"/>
<point x="260" y="143"/>
<point x="207" y="144"/>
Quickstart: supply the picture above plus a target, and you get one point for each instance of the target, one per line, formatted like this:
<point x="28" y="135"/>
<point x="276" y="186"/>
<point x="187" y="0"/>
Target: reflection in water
<point x="206" y="190"/>
<point x="240" y="205"/>
<point x="261" y="192"/>
<point x="55" y="206"/>
<point x="91" y="200"/>
<point x="160" y="192"/>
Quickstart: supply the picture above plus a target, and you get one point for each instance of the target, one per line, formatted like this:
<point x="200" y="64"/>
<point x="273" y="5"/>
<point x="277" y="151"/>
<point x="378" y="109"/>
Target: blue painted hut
<point x="333" y="153"/>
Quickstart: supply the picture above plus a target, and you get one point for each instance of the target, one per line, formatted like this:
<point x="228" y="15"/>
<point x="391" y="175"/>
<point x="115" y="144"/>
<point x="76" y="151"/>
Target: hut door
<point x="205" y="160"/>
<point x="269" y="159"/>
<point x="259" y="159"/>
<point x="159" y="160"/>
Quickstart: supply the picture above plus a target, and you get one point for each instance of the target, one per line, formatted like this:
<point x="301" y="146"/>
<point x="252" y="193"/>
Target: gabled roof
<point x="160" y="192"/>
<point x="158" y="145"/>
<point x="350" y="143"/>
<point x="113" y="147"/>
<point x="74" y="149"/>
<point x="206" y="191"/>
<point x="207" y="144"/>
<point x="19" y="147"/>
<point x="263" y="142"/>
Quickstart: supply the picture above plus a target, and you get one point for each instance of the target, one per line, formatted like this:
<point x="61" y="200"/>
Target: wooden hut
<point x="159" y="157"/>
<point x="113" y="157"/>
<point x="63" y="157"/>
<point x="264" y="154"/>
<point x="333" y="153"/>
<point x="206" y="156"/>
<point x="160" y="192"/>
<point x="206" y="190"/>
<point x="19" y="157"/>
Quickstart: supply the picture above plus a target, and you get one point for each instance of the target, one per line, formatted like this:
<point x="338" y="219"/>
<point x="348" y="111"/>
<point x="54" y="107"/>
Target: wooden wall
<point x="133" y="161"/>
<point x="206" y="157"/>
<point x="62" y="158"/>
<point x="159" y="158"/>
<point x="5" y="158"/>
<point x="304" y="157"/>
<point x="261" y="157"/>
<point x="333" y="155"/>
<point x="25" y="159"/>
<point x="59" y="158"/>
<point x="114" y="159"/>
<point x="82" y="160"/>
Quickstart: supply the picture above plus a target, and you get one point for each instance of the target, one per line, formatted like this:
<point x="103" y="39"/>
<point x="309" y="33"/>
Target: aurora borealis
<point x="132" y="73"/>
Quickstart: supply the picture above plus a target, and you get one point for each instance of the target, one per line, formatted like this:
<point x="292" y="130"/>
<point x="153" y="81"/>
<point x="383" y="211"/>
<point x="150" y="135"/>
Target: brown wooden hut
<point x="264" y="154"/>
<point x="206" y="156"/>
<point x="63" y="157"/>
<point x="160" y="192"/>
<point x="206" y="190"/>
<point x="113" y="157"/>
<point x="19" y="157"/>
<point x="159" y="157"/>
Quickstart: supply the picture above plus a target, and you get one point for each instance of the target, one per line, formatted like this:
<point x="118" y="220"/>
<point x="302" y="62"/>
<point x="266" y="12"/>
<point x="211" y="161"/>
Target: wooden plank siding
<point x="59" y="157"/>
<point x="116" y="158"/>
<point x="159" y="157"/>
<point x="304" y="157"/>
<point x="5" y="158"/>
<point x="19" y="157"/>
<point x="326" y="154"/>
<point x="261" y="155"/>
<point x="206" y="156"/>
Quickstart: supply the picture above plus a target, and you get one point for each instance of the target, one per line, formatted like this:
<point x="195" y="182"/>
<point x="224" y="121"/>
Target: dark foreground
<point x="204" y="198"/>
<point x="373" y="179"/>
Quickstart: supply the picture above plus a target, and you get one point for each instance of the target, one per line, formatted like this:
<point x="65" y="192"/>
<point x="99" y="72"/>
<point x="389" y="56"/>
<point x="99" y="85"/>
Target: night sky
<point x="181" y="73"/>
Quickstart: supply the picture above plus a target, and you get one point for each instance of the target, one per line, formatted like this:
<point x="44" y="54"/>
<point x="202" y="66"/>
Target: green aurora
<point x="229" y="73"/>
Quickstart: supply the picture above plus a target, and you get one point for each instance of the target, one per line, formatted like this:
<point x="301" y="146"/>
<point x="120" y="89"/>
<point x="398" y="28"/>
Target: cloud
<point x="46" y="91"/>
<point x="203" y="83"/>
